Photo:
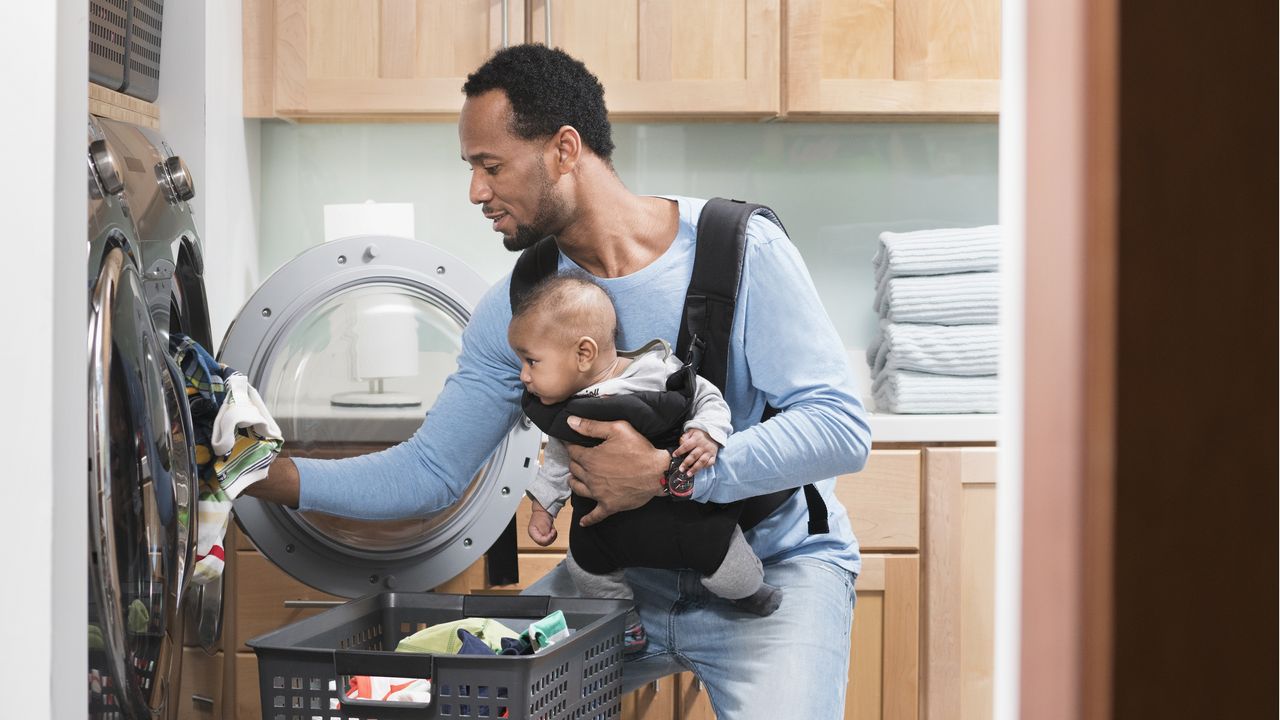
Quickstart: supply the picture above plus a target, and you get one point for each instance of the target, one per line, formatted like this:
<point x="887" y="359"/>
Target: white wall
<point x="201" y="115"/>
<point x="43" y="360"/>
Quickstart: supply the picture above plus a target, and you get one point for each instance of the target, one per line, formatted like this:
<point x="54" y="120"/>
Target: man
<point x="536" y="135"/>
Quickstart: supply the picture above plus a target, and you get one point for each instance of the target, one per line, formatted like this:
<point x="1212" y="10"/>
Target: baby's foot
<point x="763" y="601"/>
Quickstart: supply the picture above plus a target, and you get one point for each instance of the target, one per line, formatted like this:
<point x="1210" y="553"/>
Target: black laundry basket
<point x="579" y="678"/>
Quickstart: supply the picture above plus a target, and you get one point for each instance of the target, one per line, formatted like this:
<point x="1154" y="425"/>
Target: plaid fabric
<point x="212" y="393"/>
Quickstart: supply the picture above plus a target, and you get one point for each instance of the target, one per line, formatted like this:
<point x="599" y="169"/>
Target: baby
<point x="563" y="331"/>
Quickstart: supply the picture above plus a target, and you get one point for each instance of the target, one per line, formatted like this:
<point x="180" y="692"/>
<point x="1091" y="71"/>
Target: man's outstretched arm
<point x="280" y="486"/>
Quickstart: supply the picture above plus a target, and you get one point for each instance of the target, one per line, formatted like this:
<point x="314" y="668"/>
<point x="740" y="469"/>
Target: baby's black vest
<point x="644" y="534"/>
<point x="663" y="533"/>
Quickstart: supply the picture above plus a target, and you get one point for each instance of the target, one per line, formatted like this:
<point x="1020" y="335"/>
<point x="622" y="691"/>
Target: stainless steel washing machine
<point x="349" y="344"/>
<point x="144" y="277"/>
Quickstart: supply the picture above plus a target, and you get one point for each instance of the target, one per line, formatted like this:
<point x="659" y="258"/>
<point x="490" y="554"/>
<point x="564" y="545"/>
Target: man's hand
<point x="621" y="473"/>
<point x="279" y="486"/>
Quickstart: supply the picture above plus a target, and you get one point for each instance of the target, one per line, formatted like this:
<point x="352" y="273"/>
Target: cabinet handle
<point x="313" y="603"/>
<point x="656" y="687"/>
<point x="506" y="39"/>
<point x="547" y="4"/>
<point x="202" y="700"/>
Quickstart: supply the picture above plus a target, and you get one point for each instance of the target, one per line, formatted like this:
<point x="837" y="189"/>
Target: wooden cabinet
<point x="958" y="641"/>
<point x="200" y="690"/>
<point x="658" y="59"/>
<point x="887" y="58"/>
<point x="333" y="58"/>
<point x="884" y="660"/>
<point x="669" y="58"/>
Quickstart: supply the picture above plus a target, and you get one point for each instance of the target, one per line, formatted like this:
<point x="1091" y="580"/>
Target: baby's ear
<point x="587" y="352"/>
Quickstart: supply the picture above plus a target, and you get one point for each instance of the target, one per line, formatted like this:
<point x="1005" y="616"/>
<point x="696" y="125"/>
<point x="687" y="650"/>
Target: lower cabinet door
<point x="200" y="692"/>
<point x="655" y="701"/>
<point x="692" y="701"/>
<point x="884" y="660"/>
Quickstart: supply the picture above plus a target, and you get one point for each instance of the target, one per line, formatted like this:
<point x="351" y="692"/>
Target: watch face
<point x="680" y="484"/>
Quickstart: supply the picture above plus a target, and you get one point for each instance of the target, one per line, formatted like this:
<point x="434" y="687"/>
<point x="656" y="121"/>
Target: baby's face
<point x="548" y="362"/>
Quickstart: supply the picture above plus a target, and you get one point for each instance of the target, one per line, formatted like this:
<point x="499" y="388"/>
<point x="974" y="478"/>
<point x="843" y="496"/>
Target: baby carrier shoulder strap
<point x="708" y="325"/>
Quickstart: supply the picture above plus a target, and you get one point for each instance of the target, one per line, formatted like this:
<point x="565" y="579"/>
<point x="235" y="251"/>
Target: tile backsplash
<point x="835" y="187"/>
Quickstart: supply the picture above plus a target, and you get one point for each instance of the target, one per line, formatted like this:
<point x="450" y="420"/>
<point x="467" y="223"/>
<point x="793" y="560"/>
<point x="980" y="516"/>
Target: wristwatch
<point x="677" y="484"/>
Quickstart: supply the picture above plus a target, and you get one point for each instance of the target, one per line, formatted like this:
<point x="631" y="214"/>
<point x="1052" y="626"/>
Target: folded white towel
<point x="958" y="299"/>
<point x="940" y="349"/>
<point x="905" y="392"/>
<point x="937" y="252"/>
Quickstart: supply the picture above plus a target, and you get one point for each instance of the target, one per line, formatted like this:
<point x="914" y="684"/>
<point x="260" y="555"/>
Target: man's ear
<point x="566" y="150"/>
<point x="587" y="353"/>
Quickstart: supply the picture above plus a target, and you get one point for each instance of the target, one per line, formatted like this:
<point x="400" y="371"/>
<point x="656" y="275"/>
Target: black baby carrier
<point x="668" y="533"/>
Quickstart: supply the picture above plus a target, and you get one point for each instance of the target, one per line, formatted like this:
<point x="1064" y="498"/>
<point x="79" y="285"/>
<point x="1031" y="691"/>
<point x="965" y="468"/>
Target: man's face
<point x="509" y="177"/>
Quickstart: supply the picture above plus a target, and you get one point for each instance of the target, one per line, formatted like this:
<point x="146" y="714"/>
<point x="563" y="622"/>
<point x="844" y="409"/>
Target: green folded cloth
<point x="443" y="639"/>
<point x="95" y="638"/>
<point x="547" y="631"/>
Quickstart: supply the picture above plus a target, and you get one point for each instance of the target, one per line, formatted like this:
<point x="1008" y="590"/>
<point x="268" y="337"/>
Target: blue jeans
<point x="793" y="663"/>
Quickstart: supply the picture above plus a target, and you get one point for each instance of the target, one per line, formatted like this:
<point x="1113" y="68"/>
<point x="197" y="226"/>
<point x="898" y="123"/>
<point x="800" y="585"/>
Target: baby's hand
<point x="542" y="527"/>
<point x="698" y="449"/>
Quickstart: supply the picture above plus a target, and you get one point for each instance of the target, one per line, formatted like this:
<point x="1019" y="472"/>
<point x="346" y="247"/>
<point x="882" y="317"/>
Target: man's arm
<point x="280" y="486"/>
<point x="431" y="470"/>
<point x="798" y="364"/>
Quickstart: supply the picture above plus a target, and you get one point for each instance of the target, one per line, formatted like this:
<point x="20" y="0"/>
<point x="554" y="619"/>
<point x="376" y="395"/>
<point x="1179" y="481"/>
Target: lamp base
<point x="375" y="400"/>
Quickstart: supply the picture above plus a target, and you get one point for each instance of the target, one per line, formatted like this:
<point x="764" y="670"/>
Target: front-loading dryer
<point x="145" y="277"/>
<point x="141" y="470"/>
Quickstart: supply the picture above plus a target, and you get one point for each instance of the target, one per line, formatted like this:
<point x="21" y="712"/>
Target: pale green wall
<point x="835" y="186"/>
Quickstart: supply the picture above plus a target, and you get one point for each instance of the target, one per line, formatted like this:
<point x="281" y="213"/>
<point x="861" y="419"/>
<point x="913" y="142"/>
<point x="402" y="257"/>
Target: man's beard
<point x="547" y="221"/>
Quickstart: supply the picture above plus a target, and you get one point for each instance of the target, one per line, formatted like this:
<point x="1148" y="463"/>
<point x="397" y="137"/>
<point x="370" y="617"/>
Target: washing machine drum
<point x="141" y="490"/>
<point x="349" y="344"/>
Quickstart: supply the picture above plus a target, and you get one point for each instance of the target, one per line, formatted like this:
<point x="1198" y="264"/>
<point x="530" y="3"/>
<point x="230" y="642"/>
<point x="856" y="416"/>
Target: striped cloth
<point x="235" y="442"/>
<point x="937" y="252"/>
<point x="906" y="392"/>
<point x="961" y="350"/>
<point x="957" y="299"/>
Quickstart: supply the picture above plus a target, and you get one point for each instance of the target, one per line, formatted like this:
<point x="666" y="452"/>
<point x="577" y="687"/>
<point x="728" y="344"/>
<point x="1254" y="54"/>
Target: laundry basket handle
<point x="531" y="606"/>
<point x="384" y="664"/>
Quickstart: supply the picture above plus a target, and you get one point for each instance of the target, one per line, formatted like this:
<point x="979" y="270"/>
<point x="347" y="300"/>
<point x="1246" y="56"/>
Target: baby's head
<point x="563" y="330"/>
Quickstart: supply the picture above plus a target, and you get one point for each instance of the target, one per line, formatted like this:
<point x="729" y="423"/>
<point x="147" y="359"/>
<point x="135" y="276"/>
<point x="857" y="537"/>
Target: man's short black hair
<point x="547" y="89"/>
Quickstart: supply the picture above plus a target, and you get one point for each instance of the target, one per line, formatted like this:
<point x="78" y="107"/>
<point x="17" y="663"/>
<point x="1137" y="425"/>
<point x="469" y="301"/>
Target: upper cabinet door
<point x="671" y="58"/>
<point x="893" y="57"/>
<point x="380" y="57"/>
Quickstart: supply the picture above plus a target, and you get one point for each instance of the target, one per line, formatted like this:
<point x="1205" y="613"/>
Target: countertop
<point x="887" y="427"/>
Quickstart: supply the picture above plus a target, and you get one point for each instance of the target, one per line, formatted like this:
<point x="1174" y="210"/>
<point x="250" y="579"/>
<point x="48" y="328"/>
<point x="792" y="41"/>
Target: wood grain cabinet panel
<point x="262" y="589"/>
<point x="884" y="659"/>
<point x="883" y="501"/>
<point x="336" y="58"/>
<point x="672" y="58"/>
<point x="958" y="599"/>
<point x="892" y="57"/>
<point x="200" y="690"/>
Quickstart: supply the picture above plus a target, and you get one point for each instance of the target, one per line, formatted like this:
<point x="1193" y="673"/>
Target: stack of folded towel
<point x="938" y="296"/>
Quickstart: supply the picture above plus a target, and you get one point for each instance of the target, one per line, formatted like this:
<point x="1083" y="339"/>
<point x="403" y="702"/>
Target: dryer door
<point x="349" y="344"/>
<point x="141" y="486"/>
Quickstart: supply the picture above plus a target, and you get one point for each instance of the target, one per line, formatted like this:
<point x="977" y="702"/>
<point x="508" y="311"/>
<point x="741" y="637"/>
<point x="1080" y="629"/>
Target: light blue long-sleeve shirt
<point x="784" y="352"/>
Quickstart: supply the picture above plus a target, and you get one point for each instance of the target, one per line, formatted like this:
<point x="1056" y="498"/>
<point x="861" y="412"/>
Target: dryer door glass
<point x="355" y="375"/>
<point x="349" y="345"/>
